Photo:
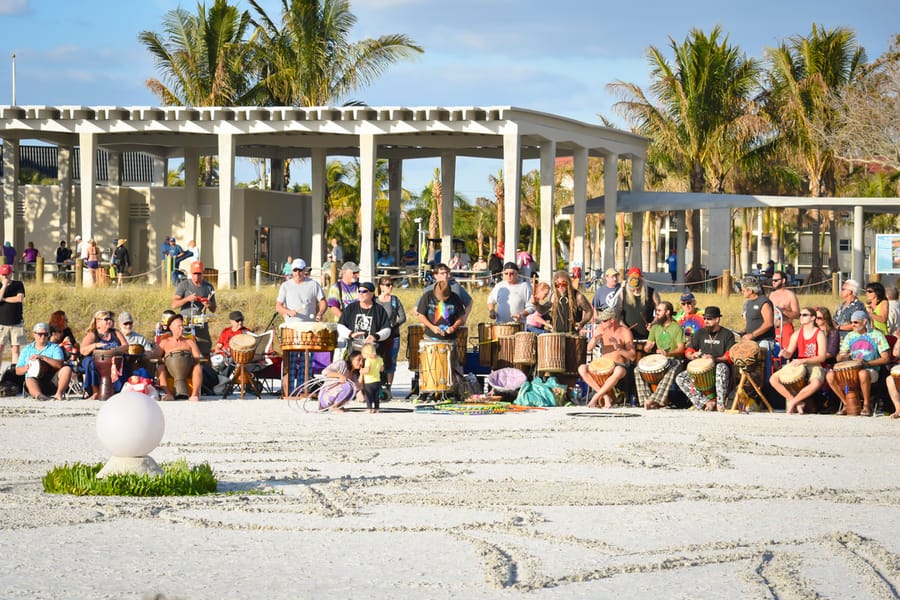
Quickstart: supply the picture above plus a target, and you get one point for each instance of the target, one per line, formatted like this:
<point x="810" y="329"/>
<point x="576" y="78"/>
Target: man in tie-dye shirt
<point x="441" y="312"/>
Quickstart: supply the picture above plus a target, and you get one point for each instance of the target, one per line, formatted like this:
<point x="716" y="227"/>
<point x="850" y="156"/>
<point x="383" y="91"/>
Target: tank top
<point x="753" y="312"/>
<point x="808" y="347"/>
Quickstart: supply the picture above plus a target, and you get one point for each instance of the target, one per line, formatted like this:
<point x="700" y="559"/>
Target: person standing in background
<point x="12" y="321"/>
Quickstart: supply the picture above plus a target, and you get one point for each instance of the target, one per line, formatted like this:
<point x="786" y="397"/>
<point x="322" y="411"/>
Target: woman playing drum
<point x="807" y="346"/>
<point x="712" y="341"/>
<point x="869" y="347"/>
<point x="101" y="335"/>
<point x="617" y="344"/>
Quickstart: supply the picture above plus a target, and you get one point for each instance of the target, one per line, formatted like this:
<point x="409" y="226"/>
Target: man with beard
<point x="711" y="341"/>
<point x="614" y="341"/>
<point x="787" y="308"/>
<point x="639" y="303"/>
<point x="666" y="338"/>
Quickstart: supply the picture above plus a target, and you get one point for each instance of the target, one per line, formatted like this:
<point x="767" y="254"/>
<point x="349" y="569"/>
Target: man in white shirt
<point x="510" y="299"/>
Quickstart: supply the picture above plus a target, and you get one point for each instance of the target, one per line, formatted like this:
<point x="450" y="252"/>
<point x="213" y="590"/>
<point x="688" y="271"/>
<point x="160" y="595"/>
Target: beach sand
<point x="559" y="503"/>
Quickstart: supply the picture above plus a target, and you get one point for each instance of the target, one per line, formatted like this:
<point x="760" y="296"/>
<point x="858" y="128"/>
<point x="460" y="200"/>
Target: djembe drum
<point x="551" y="353"/>
<point x="525" y="352"/>
<point x="180" y="365"/>
<point x="243" y="348"/>
<point x="576" y="352"/>
<point x="105" y="361"/>
<point x="746" y="355"/>
<point x="703" y="375"/>
<point x="895" y="375"/>
<point x="793" y="377"/>
<point x="506" y="350"/>
<point x="462" y="343"/>
<point x="600" y="369"/>
<point x="487" y="353"/>
<point x="652" y="369"/>
<point x="415" y="333"/>
<point x="38" y="369"/>
<point x="847" y="376"/>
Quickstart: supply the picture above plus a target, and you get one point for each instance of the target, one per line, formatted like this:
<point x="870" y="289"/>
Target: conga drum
<point x="487" y="352"/>
<point x="847" y="375"/>
<point x="745" y="354"/>
<point x="243" y="348"/>
<point x="551" y="353"/>
<point x="506" y="350"/>
<point x="576" y="352"/>
<point x="38" y="369"/>
<point x="462" y="344"/>
<point x="525" y="352"/>
<point x="703" y="375"/>
<point x="793" y="377"/>
<point x="504" y="329"/>
<point x="180" y="365"/>
<point x="135" y="357"/>
<point x="105" y="361"/>
<point x="415" y="333"/>
<point x="600" y="369"/>
<point x="652" y="369"/>
<point x="436" y="366"/>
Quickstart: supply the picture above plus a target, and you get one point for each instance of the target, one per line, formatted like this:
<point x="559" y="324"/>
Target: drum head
<point x="652" y="362"/>
<point x="700" y="365"/>
<point x="791" y="373"/>
<point x="848" y="364"/>
<point x="895" y="371"/>
<point x="601" y="365"/>
<point x="242" y="341"/>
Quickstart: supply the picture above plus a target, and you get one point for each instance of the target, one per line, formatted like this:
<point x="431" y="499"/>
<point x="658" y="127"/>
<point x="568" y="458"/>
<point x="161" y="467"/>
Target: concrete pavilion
<point x="369" y="133"/>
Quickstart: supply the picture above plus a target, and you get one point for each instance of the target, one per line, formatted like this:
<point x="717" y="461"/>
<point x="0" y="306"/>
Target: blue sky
<point x="533" y="54"/>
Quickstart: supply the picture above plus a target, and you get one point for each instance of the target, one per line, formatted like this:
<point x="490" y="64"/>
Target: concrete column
<point x="367" y="160"/>
<point x="610" y="205"/>
<point x="192" y="228"/>
<point x="548" y="171"/>
<point x="512" y="191"/>
<point x="448" y="190"/>
<point x="637" y="219"/>
<point x="276" y="174"/>
<point x="317" y="248"/>
<point x="67" y="221"/>
<point x="859" y="251"/>
<point x="87" y="156"/>
<point x="222" y="240"/>
<point x="161" y="171"/>
<point x="10" y="188"/>
<point x="395" y="206"/>
<point x="681" y="243"/>
<point x="114" y="168"/>
<point x="579" y="195"/>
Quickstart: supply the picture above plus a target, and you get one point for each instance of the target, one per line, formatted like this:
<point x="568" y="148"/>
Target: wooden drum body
<point x="38" y="369"/>
<point x="487" y="346"/>
<point x="652" y="369"/>
<point x="576" y="352"/>
<point x="506" y="350"/>
<point x="847" y="375"/>
<point x="436" y="362"/>
<point x="180" y="365"/>
<point x="600" y="369"/>
<point x="793" y="377"/>
<point x="895" y="374"/>
<point x="306" y="336"/>
<point x="462" y="343"/>
<point x="525" y="352"/>
<point x="243" y="348"/>
<point x="551" y="353"/>
<point x="703" y="374"/>
<point x="415" y="333"/>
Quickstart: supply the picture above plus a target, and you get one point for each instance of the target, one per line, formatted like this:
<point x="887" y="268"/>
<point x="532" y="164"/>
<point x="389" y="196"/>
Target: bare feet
<point x="194" y="399"/>
<point x="896" y="415"/>
<point x="167" y="397"/>
<point x="58" y="397"/>
<point x="801" y="408"/>
<point x="710" y="405"/>
<point x="652" y="405"/>
<point x="595" y="401"/>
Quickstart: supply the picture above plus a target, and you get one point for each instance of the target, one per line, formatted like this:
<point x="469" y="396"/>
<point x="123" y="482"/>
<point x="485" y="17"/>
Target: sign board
<point x="887" y="253"/>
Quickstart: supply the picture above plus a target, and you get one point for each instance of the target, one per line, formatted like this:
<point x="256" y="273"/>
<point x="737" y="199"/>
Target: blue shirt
<point x="51" y="350"/>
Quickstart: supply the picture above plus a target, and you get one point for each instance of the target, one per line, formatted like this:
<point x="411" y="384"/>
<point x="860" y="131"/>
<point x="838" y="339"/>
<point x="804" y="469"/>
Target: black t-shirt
<point x="11" y="312"/>
<point x="440" y="313"/>
<point x="369" y="320"/>
<point x="714" y="345"/>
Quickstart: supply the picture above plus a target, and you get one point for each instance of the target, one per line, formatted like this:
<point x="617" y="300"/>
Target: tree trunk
<point x="746" y="259"/>
<point x="693" y="219"/>
<point x="649" y="219"/>
<point x="620" y="240"/>
<point x="832" y="230"/>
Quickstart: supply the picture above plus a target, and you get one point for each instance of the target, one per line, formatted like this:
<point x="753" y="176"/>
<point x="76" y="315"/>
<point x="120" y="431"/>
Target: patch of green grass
<point x="178" y="479"/>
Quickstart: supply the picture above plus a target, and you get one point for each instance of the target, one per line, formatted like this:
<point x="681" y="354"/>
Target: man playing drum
<point x="442" y="273"/>
<point x="300" y="297"/>
<point x="178" y="343"/>
<point x="759" y="318"/>
<point x="616" y="344"/>
<point x="869" y="347"/>
<point x="510" y="299"/>
<point x="364" y="321"/>
<point x="806" y="347"/>
<point x="666" y="339"/>
<point x="195" y="297"/>
<point x="441" y="312"/>
<point x="37" y="377"/>
<point x="222" y="351"/>
<point x="711" y="342"/>
<point x="639" y="302"/>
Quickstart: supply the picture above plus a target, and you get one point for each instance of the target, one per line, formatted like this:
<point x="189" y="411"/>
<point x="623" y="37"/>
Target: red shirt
<point x="228" y="333"/>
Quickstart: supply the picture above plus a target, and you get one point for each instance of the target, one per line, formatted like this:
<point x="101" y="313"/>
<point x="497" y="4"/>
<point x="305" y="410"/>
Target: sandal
<point x="865" y="412"/>
<point x="841" y="412"/>
<point x="896" y="415"/>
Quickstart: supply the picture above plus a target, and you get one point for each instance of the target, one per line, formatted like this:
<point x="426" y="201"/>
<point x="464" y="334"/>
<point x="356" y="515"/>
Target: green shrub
<point x="178" y="479"/>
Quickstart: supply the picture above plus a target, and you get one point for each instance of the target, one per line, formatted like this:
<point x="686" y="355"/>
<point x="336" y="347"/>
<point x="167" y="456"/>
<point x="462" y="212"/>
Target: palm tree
<point x="703" y="100"/>
<point x="499" y="194"/>
<point x="204" y="60"/>
<point x="805" y="72"/>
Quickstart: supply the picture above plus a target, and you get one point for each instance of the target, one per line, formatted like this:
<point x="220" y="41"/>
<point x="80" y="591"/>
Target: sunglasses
<point x="510" y="273"/>
<point x="127" y="323"/>
<point x="856" y="322"/>
<point x="870" y="291"/>
<point x="820" y="318"/>
<point x="688" y="303"/>
<point x="562" y="284"/>
<point x="364" y="291"/>
<point x="41" y="333"/>
<point x="776" y="280"/>
<point x="387" y="284"/>
<point x="806" y="315"/>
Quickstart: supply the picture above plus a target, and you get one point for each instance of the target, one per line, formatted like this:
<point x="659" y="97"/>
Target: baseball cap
<point x="125" y="317"/>
<point x="5" y="269"/>
<point x="634" y="272"/>
<point x="77" y="238"/>
<point x="40" y="328"/>
<point x="688" y="297"/>
<point x="610" y="271"/>
<point x="298" y="263"/>
<point x="605" y="315"/>
<point x="197" y="267"/>
<point x="235" y="315"/>
<point x="712" y="312"/>
<point x="368" y="285"/>
<point x="350" y="266"/>
<point x="859" y="315"/>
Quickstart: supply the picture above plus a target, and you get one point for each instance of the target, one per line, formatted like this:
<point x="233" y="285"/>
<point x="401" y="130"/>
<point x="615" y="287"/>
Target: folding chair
<point x="76" y="381"/>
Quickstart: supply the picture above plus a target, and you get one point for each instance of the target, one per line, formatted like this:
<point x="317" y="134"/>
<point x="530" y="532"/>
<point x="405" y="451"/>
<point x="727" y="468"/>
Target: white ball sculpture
<point x="130" y="425"/>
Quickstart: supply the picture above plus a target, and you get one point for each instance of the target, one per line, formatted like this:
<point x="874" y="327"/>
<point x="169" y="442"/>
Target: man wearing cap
<point x="442" y="273"/>
<point x="174" y="343"/>
<point x="38" y="379"/>
<point x="806" y="346"/>
<point x="510" y="300"/>
<point x="868" y="346"/>
<point x="135" y="362"/>
<point x="609" y="294"/>
<point x="689" y="317"/>
<point x="235" y="327"/>
<point x="759" y="320"/>
<point x="364" y="321"/>
<point x="195" y="298"/>
<point x="12" y="322"/>
<point x="849" y="305"/>
<point x="345" y="290"/>
<point x="639" y="303"/>
<point x="666" y="339"/>
<point x="710" y="341"/>
<point x="300" y="297"/>
<point x="614" y="341"/>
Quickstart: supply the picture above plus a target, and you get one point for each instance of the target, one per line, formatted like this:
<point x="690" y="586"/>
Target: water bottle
<point x="487" y="388"/>
<point x="575" y="395"/>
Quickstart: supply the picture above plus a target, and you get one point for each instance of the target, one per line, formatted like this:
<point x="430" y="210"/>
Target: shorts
<point x="815" y="372"/>
<point x="93" y="264"/>
<point x="14" y="335"/>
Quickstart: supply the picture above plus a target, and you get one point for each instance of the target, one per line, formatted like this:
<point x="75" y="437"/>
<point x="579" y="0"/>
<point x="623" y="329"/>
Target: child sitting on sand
<point x="371" y="377"/>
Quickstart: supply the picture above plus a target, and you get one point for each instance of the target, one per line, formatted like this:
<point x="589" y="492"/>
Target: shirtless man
<point x="616" y="343"/>
<point x="787" y="308"/>
<point x="171" y="344"/>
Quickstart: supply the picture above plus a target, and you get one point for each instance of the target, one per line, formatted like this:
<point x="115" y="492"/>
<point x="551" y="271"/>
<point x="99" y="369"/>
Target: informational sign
<point x="887" y="253"/>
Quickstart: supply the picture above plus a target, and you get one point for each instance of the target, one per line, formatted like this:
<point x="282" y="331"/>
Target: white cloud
<point x="14" y="7"/>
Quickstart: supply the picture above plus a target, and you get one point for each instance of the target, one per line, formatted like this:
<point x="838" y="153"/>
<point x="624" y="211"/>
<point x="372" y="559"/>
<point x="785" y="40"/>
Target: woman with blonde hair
<point x="93" y="261"/>
<point x="100" y="335"/>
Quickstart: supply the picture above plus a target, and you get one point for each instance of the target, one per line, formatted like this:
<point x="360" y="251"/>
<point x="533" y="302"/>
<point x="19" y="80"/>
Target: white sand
<point x="668" y="504"/>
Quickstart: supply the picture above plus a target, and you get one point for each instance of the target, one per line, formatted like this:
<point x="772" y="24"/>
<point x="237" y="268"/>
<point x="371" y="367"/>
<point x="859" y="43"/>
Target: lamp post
<point x="419" y="244"/>
<point x="13" y="78"/>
